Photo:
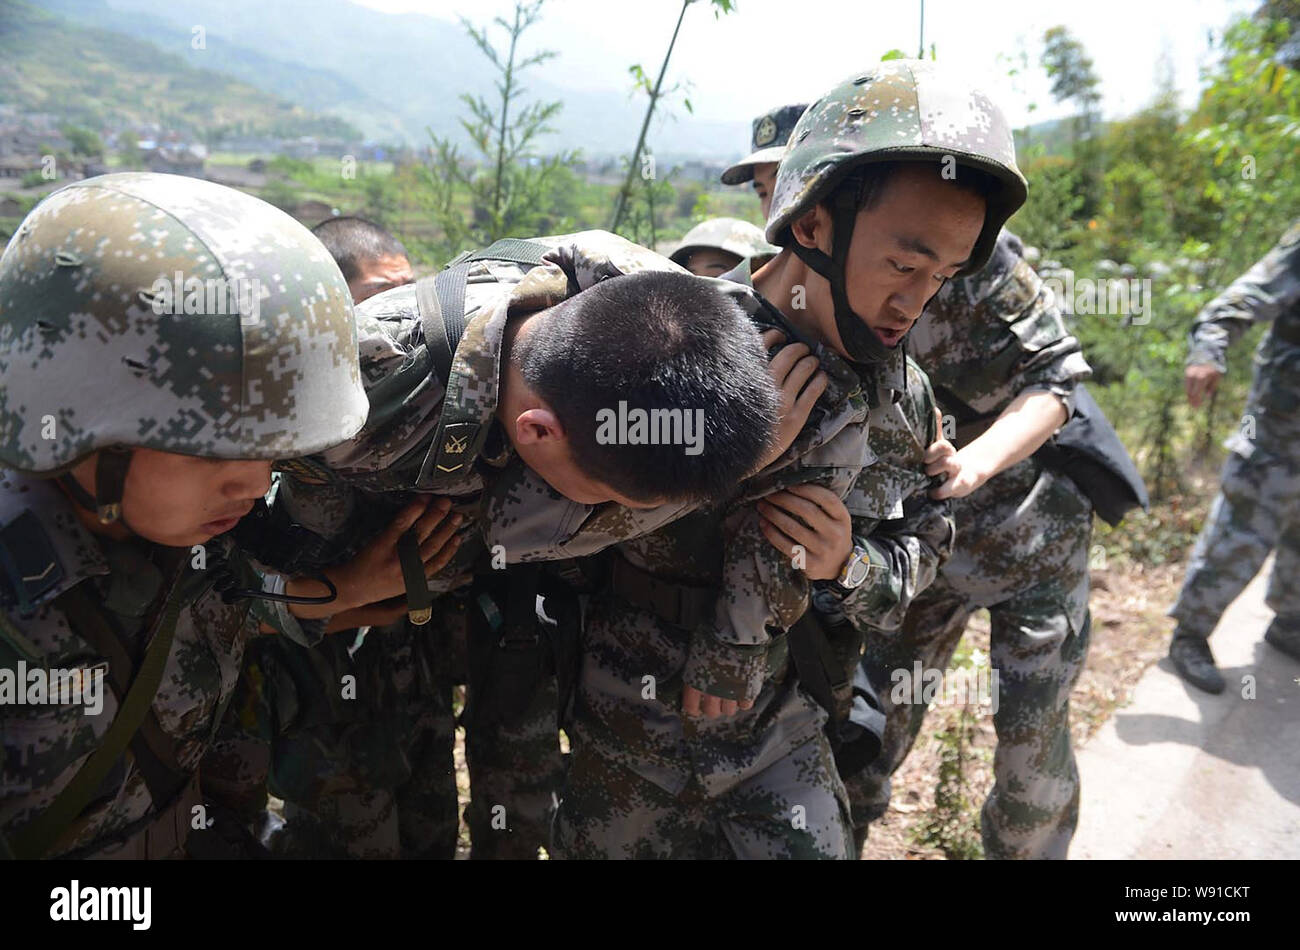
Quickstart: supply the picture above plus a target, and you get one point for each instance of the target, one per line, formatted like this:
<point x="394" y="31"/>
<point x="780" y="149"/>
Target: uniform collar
<point x="844" y="380"/>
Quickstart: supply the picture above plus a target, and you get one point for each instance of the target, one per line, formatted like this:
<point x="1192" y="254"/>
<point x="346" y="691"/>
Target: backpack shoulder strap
<point x="441" y="300"/>
<point x="435" y="329"/>
<point x="514" y="250"/>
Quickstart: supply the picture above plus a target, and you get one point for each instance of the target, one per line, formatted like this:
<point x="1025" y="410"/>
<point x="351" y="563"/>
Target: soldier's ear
<point x="813" y="228"/>
<point x="537" y="426"/>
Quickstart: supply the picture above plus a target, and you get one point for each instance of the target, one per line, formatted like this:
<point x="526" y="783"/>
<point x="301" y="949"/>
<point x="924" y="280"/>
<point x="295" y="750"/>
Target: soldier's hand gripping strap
<point x="37" y="838"/>
<point x="419" y="600"/>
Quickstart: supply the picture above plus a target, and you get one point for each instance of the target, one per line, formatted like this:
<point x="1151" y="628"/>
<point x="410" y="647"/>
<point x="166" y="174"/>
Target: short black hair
<point x="352" y="241"/>
<point x="657" y="341"/>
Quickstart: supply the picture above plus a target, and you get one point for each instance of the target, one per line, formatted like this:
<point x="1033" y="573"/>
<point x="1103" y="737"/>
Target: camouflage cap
<point x="174" y="314"/>
<point x="771" y="133"/>
<point x="898" y="110"/>
<point x="732" y="235"/>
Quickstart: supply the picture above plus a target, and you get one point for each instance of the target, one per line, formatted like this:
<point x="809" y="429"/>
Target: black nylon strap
<point x="458" y="440"/>
<point x="448" y="285"/>
<point x="860" y="343"/>
<point x="419" y="600"/>
<point x="681" y="605"/>
<point x="450" y="288"/>
<point x="435" y="333"/>
<point x="812" y="656"/>
<point x="110" y="480"/>
<point x="82" y="497"/>
<point x="520" y="627"/>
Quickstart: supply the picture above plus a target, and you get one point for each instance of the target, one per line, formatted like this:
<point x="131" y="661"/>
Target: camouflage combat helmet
<point x="899" y="110"/>
<point x="159" y="311"/>
<point x="771" y="131"/>
<point x="732" y="235"/>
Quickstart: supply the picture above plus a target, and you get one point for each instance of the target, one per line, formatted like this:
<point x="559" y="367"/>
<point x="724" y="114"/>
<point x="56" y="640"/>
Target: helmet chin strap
<point x="110" y="481"/>
<point x="861" y="344"/>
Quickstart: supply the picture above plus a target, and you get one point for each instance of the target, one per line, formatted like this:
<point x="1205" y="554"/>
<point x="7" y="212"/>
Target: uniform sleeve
<point x="906" y="555"/>
<point x="1001" y="334"/>
<point x="527" y="520"/>
<point x="762" y="589"/>
<point x="1052" y="358"/>
<point x="1257" y="296"/>
<point x="275" y="615"/>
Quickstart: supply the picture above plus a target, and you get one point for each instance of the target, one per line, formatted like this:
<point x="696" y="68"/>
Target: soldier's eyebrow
<point x="917" y="246"/>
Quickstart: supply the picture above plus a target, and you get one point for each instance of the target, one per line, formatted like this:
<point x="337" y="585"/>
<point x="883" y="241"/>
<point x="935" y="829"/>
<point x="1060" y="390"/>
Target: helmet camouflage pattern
<point x="898" y="110"/>
<point x="732" y="235"/>
<point x="771" y="132"/>
<point x="174" y="314"/>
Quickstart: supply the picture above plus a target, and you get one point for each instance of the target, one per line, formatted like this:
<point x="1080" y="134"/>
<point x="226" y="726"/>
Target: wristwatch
<point x="855" y="570"/>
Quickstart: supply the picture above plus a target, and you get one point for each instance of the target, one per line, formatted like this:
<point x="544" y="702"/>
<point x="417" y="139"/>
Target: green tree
<point x="83" y="141"/>
<point x="655" y="92"/>
<point x="1048" y="219"/>
<point x="508" y="185"/>
<point x="1074" y="80"/>
<point x="128" y="147"/>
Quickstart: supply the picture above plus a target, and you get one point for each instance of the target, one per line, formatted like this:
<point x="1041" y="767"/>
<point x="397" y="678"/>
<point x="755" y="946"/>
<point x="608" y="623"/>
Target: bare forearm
<point x="1016" y="434"/>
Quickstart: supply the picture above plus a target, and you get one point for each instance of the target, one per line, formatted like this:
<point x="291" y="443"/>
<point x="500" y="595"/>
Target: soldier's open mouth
<point x="889" y="337"/>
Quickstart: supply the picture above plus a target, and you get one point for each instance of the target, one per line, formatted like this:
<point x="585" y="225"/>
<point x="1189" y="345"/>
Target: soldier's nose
<point x="248" y="479"/>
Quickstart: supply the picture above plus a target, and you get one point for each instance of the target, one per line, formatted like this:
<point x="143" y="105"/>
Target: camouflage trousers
<point x="373" y="776"/>
<point x="792" y="809"/>
<point x="1256" y="511"/>
<point x="1022" y="552"/>
<point x="358" y="740"/>
<point x="350" y="815"/>
<point x="515" y="773"/>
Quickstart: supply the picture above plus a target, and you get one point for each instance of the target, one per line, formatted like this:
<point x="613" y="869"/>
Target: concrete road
<point x="1181" y="774"/>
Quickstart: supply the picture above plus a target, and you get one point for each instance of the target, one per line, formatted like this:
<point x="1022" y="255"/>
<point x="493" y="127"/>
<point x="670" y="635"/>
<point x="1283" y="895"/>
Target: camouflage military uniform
<point x="1258" y="506"/>
<point x="208" y="381"/>
<point x="645" y="781"/>
<point x="1021" y="552"/>
<point x="762" y="782"/>
<point x="518" y="510"/>
<point x="373" y="776"/>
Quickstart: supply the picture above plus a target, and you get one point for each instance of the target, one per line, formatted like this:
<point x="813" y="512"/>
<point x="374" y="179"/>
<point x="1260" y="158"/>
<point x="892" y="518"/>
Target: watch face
<point x="857" y="572"/>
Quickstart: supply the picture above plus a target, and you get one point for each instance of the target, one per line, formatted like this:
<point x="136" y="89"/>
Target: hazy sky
<point x="761" y="56"/>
